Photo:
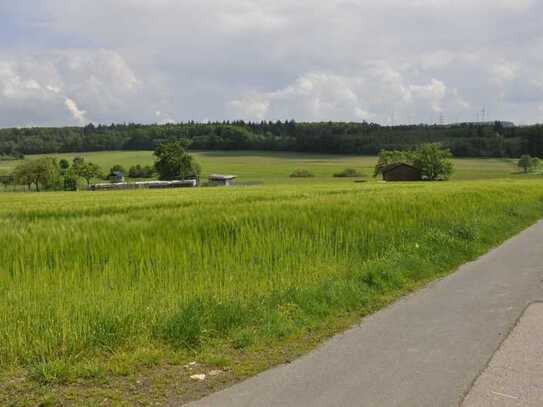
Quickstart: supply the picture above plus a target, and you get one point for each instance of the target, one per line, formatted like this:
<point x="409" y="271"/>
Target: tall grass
<point x="82" y="274"/>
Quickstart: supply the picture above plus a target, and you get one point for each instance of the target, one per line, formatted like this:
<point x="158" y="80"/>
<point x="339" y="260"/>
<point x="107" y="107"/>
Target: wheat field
<point x="85" y="273"/>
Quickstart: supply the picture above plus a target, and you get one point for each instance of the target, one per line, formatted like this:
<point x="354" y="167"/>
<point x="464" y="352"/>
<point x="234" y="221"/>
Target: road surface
<point x="426" y="349"/>
<point x="515" y="374"/>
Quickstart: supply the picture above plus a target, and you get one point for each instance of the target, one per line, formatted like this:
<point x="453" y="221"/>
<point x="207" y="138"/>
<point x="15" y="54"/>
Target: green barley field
<point x="100" y="291"/>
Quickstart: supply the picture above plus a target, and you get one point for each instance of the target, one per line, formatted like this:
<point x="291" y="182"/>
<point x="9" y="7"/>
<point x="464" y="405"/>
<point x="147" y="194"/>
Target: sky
<point x="72" y="62"/>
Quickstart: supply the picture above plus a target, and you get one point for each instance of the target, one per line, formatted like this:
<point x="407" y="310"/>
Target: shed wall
<point x="402" y="173"/>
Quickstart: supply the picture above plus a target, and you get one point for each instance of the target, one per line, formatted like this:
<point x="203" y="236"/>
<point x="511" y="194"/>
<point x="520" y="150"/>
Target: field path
<point x="424" y="350"/>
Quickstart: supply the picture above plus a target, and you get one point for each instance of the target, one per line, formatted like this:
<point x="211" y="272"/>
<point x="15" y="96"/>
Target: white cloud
<point x="313" y="96"/>
<point x="505" y="71"/>
<point x="516" y="5"/>
<point x="54" y="89"/>
<point x="52" y="82"/>
<point x="378" y="93"/>
<point x="253" y="106"/>
<point x="124" y="60"/>
<point x="434" y="92"/>
<point x="77" y="114"/>
<point x="12" y="85"/>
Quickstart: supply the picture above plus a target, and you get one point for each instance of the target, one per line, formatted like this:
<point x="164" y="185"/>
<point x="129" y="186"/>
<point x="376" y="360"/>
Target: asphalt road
<point x="514" y="376"/>
<point x="427" y="349"/>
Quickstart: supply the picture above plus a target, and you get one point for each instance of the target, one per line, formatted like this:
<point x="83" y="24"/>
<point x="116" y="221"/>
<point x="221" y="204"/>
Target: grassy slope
<point x="274" y="167"/>
<point x="127" y="287"/>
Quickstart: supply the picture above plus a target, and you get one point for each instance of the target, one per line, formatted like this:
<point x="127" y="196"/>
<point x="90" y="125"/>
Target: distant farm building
<point x="116" y="177"/>
<point x="222" y="180"/>
<point x="188" y="183"/>
<point x="400" y="172"/>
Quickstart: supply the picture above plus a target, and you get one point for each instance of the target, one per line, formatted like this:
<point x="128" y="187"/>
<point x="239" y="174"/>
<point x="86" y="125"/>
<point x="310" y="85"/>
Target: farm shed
<point x="400" y="172"/>
<point x="222" y="180"/>
<point x="188" y="183"/>
<point x="116" y="177"/>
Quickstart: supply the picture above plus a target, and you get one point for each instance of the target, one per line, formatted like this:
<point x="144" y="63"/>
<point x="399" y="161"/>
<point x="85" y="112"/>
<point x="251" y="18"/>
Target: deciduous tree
<point x="88" y="171"/>
<point x="174" y="162"/>
<point x="528" y="163"/>
<point x="43" y="172"/>
<point x="434" y="162"/>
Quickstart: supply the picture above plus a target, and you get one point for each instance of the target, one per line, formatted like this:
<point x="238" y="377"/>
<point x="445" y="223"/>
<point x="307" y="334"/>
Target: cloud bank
<point x="392" y="61"/>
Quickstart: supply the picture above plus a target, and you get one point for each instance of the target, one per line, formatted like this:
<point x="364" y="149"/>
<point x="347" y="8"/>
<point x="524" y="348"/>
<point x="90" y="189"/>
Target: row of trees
<point x="47" y="173"/>
<point x="463" y="140"/>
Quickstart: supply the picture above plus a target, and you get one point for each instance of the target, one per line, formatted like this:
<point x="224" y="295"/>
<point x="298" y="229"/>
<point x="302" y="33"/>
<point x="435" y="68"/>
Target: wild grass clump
<point x="85" y="275"/>
<point x="184" y="328"/>
<point x="348" y="173"/>
<point x="301" y="173"/>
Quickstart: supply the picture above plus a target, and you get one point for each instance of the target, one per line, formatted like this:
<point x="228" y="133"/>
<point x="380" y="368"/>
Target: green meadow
<point x="274" y="167"/>
<point x="129" y="287"/>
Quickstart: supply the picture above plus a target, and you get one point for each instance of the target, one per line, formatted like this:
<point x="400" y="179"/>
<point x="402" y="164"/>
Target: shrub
<point x="70" y="182"/>
<point x="117" y="168"/>
<point x="137" y="171"/>
<point x="528" y="163"/>
<point x="300" y="173"/>
<point x="347" y="173"/>
<point x="64" y="165"/>
<point x="7" y="180"/>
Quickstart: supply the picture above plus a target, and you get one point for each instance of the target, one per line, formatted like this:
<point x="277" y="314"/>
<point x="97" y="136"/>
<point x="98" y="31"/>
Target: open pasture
<point x="86" y="277"/>
<point x="275" y="167"/>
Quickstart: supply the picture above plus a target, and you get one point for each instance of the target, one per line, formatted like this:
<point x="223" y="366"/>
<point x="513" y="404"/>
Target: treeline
<point x="464" y="140"/>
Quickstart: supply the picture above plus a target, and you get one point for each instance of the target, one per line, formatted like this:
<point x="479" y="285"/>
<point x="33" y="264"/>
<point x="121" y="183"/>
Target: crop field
<point x="128" y="287"/>
<point x="275" y="167"/>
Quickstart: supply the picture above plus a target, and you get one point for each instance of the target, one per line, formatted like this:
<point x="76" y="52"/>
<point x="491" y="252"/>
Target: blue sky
<point x="389" y="61"/>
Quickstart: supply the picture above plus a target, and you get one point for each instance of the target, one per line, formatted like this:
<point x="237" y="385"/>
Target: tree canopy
<point x="174" y="162"/>
<point x="528" y="163"/>
<point x="86" y="170"/>
<point x="464" y="140"/>
<point x="139" y="171"/>
<point x="433" y="162"/>
<point x="117" y="168"/>
<point x="42" y="172"/>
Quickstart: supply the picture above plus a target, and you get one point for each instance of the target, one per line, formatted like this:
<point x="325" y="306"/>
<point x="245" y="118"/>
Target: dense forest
<point x="464" y="140"/>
